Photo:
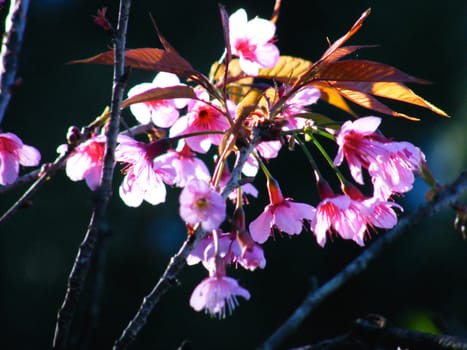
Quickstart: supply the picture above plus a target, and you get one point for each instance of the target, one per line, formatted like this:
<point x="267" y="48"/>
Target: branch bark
<point x="104" y="192"/>
<point x="449" y="195"/>
<point x="15" y="23"/>
<point x="375" y="332"/>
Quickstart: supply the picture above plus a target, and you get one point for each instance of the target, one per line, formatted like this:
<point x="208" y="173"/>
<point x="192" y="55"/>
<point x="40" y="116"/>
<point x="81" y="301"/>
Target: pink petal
<point x="260" y="228"/>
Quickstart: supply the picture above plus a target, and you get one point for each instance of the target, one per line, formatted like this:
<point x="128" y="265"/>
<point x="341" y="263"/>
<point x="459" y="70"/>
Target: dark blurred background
<point x="419" y="283"/>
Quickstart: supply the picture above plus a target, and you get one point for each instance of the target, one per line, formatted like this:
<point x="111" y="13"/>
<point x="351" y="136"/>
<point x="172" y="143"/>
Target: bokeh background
<point x="419" y="283"/>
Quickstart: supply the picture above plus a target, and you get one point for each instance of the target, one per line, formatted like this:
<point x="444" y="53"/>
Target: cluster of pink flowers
<point x="187" y="128"/>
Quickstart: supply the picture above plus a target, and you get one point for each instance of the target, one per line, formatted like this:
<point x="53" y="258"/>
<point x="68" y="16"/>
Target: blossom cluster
<point x="183" y="129"/>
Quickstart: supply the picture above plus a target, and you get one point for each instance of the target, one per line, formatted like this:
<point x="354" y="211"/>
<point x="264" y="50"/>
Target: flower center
<point x="201" y="203"/>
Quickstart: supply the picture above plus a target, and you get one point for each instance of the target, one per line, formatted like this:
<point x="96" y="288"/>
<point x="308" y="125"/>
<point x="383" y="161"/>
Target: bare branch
<point x="15" y="24"/>
<point x="445" y="197"/>
<point x="375" y="332"/>
<point x="87" y="248"/>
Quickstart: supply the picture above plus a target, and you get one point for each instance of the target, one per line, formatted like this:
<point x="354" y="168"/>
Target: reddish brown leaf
<point x="344" y="51"/>
<point x="151" y="59"/>
<point x="332" y="96"/>
<point x="370" y="102"/>
<point x="160" y="94"/>
<point x="394" y="91"/>
<point x="339" y="42"/>
<point x="362" y="70"/>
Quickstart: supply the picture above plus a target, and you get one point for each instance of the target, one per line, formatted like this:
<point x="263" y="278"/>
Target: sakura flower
<point x="390" y="164"/>
<point x="187" y="166"/>
<point x="200" y="203"/>
<point x="162" y="113"/>
<point x="252" y="42"/>
<point x="86" y="161"/>
<point x="146" y="171"/>
<point x="215" y="294"/>
<point x="281" y="213"/>
<point x="296" y="105"/>
<point x="381" y="213"/>
<point x="348" y="219"/>
<point x="202" y="117"/>
<point x="14" y="153"/>
<point x="393" y="172"/>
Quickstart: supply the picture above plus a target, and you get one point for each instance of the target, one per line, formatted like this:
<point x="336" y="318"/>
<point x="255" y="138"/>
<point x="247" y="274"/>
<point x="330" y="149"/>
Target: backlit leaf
<point x="332" y="96"/>
<point x="159" y="93"/>
<point x="371" y="103"/>
<point x="394" y="91"/>
<point x="151" y="59"/>
<point x="287" y="69"/>
<point x="362" y="70"/>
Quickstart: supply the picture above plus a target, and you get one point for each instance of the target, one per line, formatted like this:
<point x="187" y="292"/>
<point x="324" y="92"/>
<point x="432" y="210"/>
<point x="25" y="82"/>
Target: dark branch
<point x="15" y="24"/>
<point x="375" y="332"/>
<point x="87" y="248"/>
<point x="445" y="197"/>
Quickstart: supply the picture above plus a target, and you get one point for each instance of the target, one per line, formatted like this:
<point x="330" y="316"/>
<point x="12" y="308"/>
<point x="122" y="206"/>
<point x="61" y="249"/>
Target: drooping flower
<point x="281" y="213"/>
<point x="202" y="117"/>
<point x="390" y="164"/>
<point x="13" y="153"/>
<point x="86" y="161"/>
<point x="147" y="171"/>
<point x="162" y="113"/>
<point x="200" y="203"/>
<point x="252" y="42"/>
<point x="215" y="294"/>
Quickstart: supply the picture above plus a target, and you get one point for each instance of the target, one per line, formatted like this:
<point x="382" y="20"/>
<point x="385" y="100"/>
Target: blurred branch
<point x="15" y="24"/>
<point x="374" y="332"/>
<point x="178" y="261"/>
<point x="104" y="192"/>
<point x="445" y="197"/>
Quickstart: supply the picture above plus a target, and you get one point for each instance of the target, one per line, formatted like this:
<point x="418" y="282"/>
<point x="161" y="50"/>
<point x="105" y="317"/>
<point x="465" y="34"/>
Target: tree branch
<point x="15" y="24"/>
<point x="375" y="332"/>
<point x="87" y="248"/>
<point x="445" y="197"/>
<point x="178" y="261"/>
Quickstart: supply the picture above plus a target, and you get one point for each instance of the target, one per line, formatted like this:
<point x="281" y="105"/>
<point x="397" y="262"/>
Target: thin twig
<point x="43" y="177"/>
<point x="178" y="261"/>
<point x="446" y="197"/>
<point x="87" y="248"/>
<point x="15" y="24"/>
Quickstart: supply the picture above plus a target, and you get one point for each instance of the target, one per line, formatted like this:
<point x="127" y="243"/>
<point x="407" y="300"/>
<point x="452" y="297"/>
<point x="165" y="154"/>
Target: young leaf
<point x="151" y="59"/>
<point x="369" y="102"/>
<point x="394" y="91"/>
<point x="332" y="96"/>
<point x="159" y="93"/>
<point x="287" y="69"/>
<point x="362" y="70"/>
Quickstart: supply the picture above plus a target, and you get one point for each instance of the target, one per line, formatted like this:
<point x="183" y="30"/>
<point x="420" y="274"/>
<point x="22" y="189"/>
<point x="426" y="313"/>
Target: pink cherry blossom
<point x="348" y="218"/>
<point x="297" y="104"/>
<point x="162" y="113"/>
<point x="252" y="42"/>
<point x="202" y="117"/>
<point x="281" y="213"/>
<point x="390" y="164"/>
<point x="187" y="166"/>
<point x="215" y="294"/>
<point x="200" y="203"/>
<point x="86" y="161"/>
<point x="14" y="153"/>
<point x="393" y="172"/>
<point x="146" y="171"/>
